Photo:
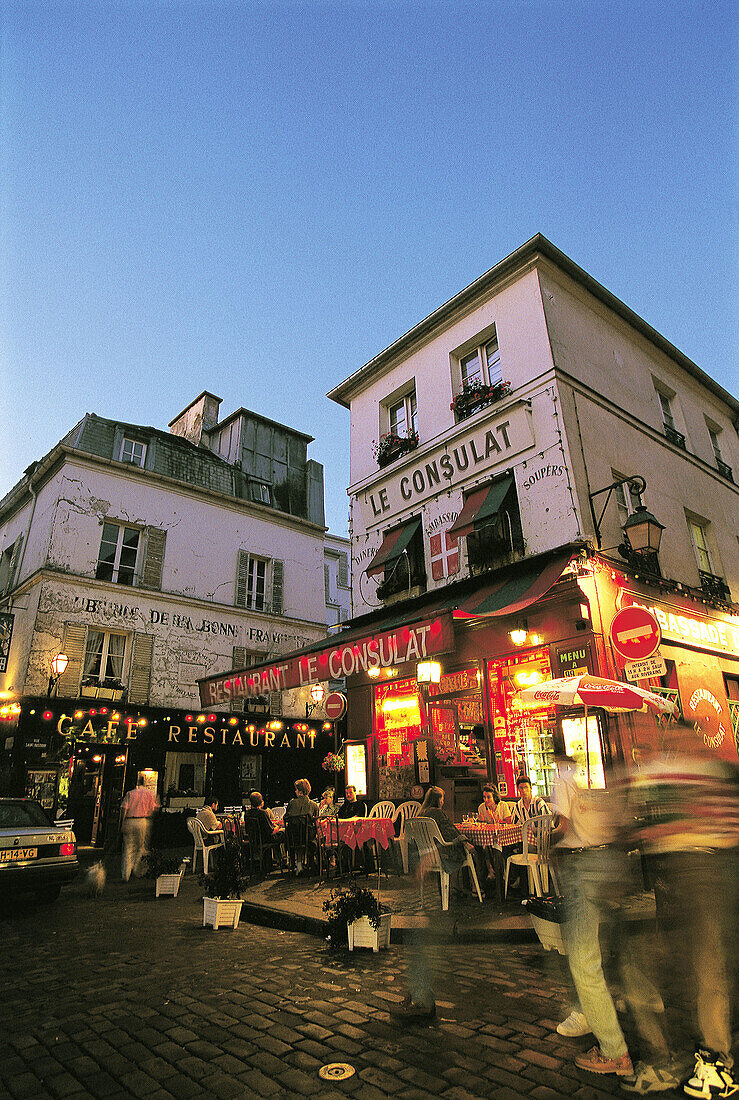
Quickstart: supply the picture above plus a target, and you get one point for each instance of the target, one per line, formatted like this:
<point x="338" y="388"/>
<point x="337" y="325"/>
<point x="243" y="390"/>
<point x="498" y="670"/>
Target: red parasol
<point x="593" y="691"/>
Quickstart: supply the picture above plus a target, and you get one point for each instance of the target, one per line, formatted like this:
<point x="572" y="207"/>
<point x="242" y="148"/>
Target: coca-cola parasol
<point x="594" y="691"/>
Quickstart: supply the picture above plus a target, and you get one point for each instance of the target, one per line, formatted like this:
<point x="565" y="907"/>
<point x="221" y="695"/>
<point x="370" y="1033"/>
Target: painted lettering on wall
<point x="552" y="470"/>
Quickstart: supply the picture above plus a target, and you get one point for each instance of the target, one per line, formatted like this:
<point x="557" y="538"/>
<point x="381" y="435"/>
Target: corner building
<point x="481" y="441"/>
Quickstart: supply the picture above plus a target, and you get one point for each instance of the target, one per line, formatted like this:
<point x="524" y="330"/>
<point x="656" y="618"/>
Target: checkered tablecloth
<point x="496" y="836"/>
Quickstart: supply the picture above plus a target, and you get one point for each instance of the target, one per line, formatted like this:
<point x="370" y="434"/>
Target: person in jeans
<point x="137" y="809"/>
<point x="591" y="871"/>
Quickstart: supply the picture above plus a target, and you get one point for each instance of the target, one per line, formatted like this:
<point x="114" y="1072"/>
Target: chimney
<point x="199" y="418"/>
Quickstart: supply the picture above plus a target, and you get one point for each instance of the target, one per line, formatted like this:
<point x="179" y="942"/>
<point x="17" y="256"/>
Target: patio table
<point x="492" y="836"/>
<point x="356" y="831"/>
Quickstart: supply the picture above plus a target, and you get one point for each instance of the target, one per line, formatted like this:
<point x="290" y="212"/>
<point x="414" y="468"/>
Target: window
<point x="723" y="468"/>
<point x="343" y="581"/>
<point x="700" y="543"/>
<point x="715" y="444"/>
<point x="260" y="492"/>
<point x="667" y="418"/>
<point x="482" y="364"/>
<point x="627" y="499"/>
<point x="8" y="562"/>
<point x="259" y="583"/>
<point x="403" y="415"/>
<point x="104" y="655"/>
<point x="119" y="549"/>
<point x="134" y="452"/>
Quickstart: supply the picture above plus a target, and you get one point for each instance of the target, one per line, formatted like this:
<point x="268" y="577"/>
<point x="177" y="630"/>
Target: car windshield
<point x="22" y="815"/>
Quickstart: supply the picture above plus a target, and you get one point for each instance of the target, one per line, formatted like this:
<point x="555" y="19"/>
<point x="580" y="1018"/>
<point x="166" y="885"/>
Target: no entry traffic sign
<point x="335" y="705"/>
<point x="635" y="633"/>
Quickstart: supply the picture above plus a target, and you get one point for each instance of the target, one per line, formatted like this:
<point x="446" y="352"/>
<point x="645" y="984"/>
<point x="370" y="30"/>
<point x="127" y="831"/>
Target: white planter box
<point x="169" y="884"/>
<point x="361" y="933"/>
<point x="221" y="911"/>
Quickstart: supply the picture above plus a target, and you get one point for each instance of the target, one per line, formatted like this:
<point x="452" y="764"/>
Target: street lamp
<point x="316" y="694"/>
<point x="58" y="667"/>
<point x="642" y="530"/>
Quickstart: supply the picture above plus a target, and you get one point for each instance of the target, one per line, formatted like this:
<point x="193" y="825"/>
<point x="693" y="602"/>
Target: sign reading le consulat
<point x="392" y="647"/>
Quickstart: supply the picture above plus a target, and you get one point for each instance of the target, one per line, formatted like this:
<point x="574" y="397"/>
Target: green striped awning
<point x="393" y="545"/>
<point x="481" y="507"/>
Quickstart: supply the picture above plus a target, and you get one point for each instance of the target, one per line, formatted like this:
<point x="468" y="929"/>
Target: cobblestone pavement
<point x="125" y="995"/>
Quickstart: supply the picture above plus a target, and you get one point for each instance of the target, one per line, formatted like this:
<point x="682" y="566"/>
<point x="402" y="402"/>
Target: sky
<point x="257" y="198"/>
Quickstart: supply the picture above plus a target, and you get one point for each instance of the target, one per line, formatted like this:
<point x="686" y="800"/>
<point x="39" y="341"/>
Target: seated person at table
<point x="494" y="811"/>
<point x="326" y="807"/>
<point x="304" y="806"/>
<point x="432" y="807"/>
<point x="269" y="829"/>
<point x="528" y="804"/>
<point x="206" y="815"/>
<point x="353" y="806"/>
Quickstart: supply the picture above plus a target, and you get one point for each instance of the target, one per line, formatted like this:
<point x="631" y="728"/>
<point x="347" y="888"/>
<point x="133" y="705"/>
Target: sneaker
<point x="647" y="1078"/>
<point x="408" y="1010"/>
<point x="574" y="1026"/>
<point x="711" y="1078"/>
<point x="595" y="1061"/>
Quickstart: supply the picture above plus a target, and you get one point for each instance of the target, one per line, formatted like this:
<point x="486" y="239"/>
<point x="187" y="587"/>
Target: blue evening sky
<point x="256" y="198"/>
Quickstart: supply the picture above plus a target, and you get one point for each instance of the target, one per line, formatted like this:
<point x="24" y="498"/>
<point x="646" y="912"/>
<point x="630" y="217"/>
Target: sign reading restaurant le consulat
<point x="413" y="642"/>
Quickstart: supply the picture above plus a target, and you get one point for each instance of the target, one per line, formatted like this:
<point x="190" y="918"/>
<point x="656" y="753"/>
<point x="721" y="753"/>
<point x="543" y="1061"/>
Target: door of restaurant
<point x="95" y="791"/>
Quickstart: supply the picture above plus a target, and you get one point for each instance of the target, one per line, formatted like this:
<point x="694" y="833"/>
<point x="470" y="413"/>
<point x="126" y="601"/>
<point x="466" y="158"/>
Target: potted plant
<point x="356" y="917"/>
<point x="333" y="762"/>
<point x="222" y="902"/>
<point x="475" y="395"/>
<point x="167" y="870"/>
<point x="392" y="446"/>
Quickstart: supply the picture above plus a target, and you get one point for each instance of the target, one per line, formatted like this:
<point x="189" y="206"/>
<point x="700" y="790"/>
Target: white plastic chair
<point x="406" y="811"/>
<point x="537" y="833"/>
<point x="199" y="832"/>
<point x="424" y="831"/>
<point x="382" y="809"/>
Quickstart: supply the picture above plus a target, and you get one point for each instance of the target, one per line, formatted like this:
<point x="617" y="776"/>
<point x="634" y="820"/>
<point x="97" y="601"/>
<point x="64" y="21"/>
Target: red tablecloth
<point x="356" y="831"/>
<point x="493" y="835"/>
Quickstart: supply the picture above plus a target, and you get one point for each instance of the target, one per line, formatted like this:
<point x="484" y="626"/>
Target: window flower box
<point x="476" y="395"/>
<point x="393" y="446"/>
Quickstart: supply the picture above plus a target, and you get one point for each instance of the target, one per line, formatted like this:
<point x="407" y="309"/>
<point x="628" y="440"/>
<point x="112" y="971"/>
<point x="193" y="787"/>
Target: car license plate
<point x="17" y="855"/>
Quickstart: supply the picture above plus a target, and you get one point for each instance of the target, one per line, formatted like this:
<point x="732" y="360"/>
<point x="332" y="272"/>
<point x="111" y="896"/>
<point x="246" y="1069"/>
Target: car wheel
<point x="48" y="893"/>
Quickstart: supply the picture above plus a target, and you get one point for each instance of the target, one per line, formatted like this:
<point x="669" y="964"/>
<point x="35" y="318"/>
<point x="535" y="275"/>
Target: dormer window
<point x="260" y="492"/>
<point x="133" y="451"/>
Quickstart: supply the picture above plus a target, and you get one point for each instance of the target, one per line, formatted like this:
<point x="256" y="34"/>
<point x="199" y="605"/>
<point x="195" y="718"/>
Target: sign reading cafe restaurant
<point x="412" y="642"/>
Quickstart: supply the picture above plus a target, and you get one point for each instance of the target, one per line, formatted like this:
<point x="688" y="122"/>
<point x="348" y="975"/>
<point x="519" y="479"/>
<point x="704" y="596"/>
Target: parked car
<point x="35" y="854"/>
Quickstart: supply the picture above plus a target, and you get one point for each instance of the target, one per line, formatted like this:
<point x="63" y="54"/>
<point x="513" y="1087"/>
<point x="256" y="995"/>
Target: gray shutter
<point x="14" y="558"/>
<point x="151" y="574"/>
<point x="139" y="677"/>
<point x="239" y="661"/>
<point x="278" y="579"/>
<point x="242" y="574"/>
<point x="275" y="702"/>
<point x="74" y="646"/>
<point x="327" y="583"/>
<point x="343" y="571"/>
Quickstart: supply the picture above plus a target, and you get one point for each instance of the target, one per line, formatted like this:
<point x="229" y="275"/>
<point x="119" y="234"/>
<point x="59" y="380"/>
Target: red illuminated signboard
<point x="392" y="647"/>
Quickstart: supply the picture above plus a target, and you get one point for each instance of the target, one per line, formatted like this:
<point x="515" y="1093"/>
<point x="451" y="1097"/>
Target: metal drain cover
<point x="336" y="1071"/>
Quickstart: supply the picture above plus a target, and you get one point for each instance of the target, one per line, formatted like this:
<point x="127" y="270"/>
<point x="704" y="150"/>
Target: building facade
<point x="151" y="559"/>
<point x="496" y="452"/>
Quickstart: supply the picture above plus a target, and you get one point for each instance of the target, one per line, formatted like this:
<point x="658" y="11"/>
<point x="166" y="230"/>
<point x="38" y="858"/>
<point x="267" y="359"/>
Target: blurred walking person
<point x="137" y="809"/>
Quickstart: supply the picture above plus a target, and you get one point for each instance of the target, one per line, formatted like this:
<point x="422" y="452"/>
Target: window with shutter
<point x="151" y="574"/>
<point x="68" y="684"/>
<point x="9" y="564"/>
<point x="327" y="583"/>
<point x="278" y="581"/>
<point x="343" y="571"/>
<point x="275" y="703"/>
<point x="139" y="677"/>
<point x="242" y="573"/>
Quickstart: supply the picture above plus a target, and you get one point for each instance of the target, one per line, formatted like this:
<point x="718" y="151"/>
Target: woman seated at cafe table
<point x="528" y="805"/>
<point x="493" y="810"/>
<point x="450" y="834"/>
<point x="269" y="829"/>
<point x="326" y="807"/>
<point x="352" y="806"/>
